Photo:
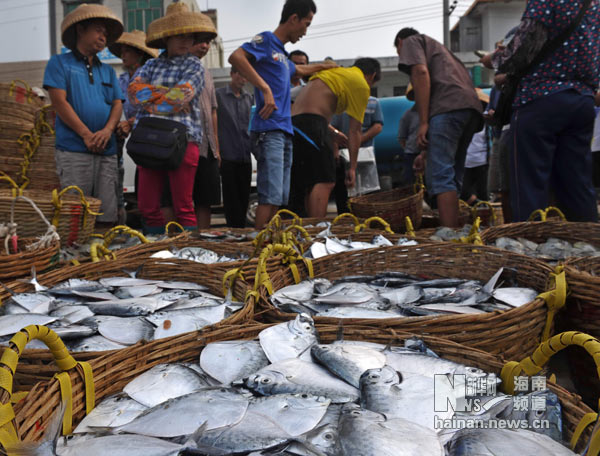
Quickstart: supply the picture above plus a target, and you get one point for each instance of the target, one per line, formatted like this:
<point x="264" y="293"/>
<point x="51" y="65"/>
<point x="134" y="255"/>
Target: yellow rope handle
<point x="490" y="207"/>
<point x="42" y="125"/>
<point x="299" y="228"/>
<point x="473" y="237"/>
<point x="543" y="213"/>
<point x="290" y="256"/>
<point x="111" y="234"/>
<point x="97" y="249"/>
<point x="555" y="297"/>
<point x="64" y="361"/>
<point x="346" y="215"/>
<point x="57" y="202"/>
<point x="229" y="279"/>
<point x="16" y="191"/>
<point x="175" y="224"/>
<point x="296" y="217"/>
<point x="13" y="85"/>
<point x="30" y="142"/>
<point x="419" y="184"/>
<point x="367" y="224"/>
<point x="410" y="229"/>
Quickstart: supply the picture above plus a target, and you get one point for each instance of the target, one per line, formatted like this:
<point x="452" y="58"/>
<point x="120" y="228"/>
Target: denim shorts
<point x="273" y="153"/>
<point x="449" y="136"/>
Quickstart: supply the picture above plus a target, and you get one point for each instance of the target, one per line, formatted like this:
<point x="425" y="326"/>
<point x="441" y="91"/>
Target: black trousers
<point x="235" y="179"/>
<point x="475" y="183"/>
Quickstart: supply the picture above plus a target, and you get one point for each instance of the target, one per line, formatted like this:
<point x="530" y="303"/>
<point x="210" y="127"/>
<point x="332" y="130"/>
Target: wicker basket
<point x="512" y="333"/>
<point x="113" y="371"/>
<point x="392" y="205"/>
<point x="68" y="212"/>
<point x="19" y="104"/>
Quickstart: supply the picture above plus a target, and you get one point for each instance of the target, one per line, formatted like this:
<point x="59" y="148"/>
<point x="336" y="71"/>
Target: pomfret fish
<point x="215" y="407"/>
<point x="125" y="307"/>
<point x="297" y="376"/>
<point x="126" y="282"/>
<point x="33" y="302"/>
<point x="178" y="324"/>
<point x="92" y="344"/>
<point x="366" y="433"/>
<point x="163" y="382"/>
<point x="111" y="412"/>
<point x="11" y="324"/>
<point x="136" y="292"/>
<point x="290" y="339"/>
<point x="72" y="314"/>
<point x="126" y="331"/>
<point x="515" y="297"/>
<point x="232" y="360"/>
<point x="348" y="362"/>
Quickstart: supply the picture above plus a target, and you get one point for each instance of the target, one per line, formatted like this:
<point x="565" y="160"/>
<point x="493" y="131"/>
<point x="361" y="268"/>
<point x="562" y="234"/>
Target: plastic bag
<point x="367" y="179"/>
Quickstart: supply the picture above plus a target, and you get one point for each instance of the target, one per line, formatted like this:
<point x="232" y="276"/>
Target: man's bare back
<point x="315" y="98"/>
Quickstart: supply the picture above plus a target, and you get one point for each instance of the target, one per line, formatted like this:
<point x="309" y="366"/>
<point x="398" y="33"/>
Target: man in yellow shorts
<point x="328" y="92"/>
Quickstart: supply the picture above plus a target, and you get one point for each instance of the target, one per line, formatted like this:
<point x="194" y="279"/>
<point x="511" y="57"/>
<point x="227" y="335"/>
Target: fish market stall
<point x="455" y="277"/>
<point x="302" y="389"/>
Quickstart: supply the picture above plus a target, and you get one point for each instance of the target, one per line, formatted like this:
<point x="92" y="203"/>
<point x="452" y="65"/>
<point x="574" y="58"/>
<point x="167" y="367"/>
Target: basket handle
<point x="64" y="361"/>
<point x="419" y="184"/>
<point x="533" y="364"/>
<point x="410" y="229"/>
<point x="346" y="215"/>
<point x="289" y="256"/>
<point x="369" y="221"/>
<point x="41" y="124"/>
<point x="543" y="213"/>
<point x="490" y="207"/>
<point x="175" y="224"/>
<point x="296" y="217"/>
<point x="473" y="237"/>
<point x="13" y="87"/>
<point x="57" y="202"/>
<point x="15" y="188"/>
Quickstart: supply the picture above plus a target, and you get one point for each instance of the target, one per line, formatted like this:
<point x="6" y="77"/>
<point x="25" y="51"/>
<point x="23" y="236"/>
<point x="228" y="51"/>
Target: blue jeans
<point x="449" y="135"/>
<point x="551" y="152"/>
<point x="273" y="152"/>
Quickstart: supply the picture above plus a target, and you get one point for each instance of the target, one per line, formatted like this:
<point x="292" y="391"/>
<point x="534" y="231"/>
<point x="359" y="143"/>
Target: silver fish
<point x="366" y="433"/>
<point x="358" y="312"/>
<point x="136" y="292"/>
<point x="174" y="285"/>
<point x="126" y="307"/>
<point x="92" y="344"/>
<point x="499" y="442"/>
<point x="214" y="407"/>
<point x="289" y="340"/>
<point x="163" y="382"/>
<point x="70" y="332"/>
<point x="178" y="324"/>
<point x="111" y="412"/>
<point x="95" y="295"/>
<point x="33" y="302"/>
<point x="232" y="360"/>
<point x="126" y="282"/>
<point x="348" y="362"/>
<point x="126" y="331"/>
<point x="11" y="324"/>
<point x="297" y="376"/>
<point x="401" y="296"/>
<point x="515" y="297"/>
<point x="72" y="314"/>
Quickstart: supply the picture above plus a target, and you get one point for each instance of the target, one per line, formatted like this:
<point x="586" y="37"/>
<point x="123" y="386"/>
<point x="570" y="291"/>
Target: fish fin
<point x="7" y="289"/>
<point x="133" y="274"/>
<point x="194" y="447"/>
<point x="309" y="446"/>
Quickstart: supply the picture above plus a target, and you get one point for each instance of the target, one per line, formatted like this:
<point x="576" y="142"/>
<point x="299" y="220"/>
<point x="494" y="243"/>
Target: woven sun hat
<point x="179" y="20"/>
<point x="83" y="12"/>
<point x="135" y="39"/>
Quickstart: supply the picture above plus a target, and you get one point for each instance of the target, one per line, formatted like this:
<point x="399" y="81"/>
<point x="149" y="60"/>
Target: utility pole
<point x="446" y="18"/>
<point x="52" y="19"/>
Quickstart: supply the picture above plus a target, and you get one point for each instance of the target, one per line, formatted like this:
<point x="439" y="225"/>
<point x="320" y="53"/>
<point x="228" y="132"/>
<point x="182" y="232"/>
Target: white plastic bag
<point x="367" y="179"/>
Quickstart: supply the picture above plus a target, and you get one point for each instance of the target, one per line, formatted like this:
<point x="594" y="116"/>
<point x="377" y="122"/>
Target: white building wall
<point x="497" y="19"/>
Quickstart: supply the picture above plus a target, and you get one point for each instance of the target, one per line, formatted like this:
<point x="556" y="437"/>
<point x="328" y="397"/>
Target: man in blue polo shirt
<point x="265" y="64"/>
<point x="88" y="101"/>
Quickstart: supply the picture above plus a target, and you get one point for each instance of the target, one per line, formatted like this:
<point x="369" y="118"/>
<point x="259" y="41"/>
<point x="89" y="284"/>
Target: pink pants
<point x="181" y="181"/>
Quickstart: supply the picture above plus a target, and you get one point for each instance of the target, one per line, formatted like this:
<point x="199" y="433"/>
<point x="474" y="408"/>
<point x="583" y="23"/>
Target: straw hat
<point x="83" y="12"/>
<point x="179" y="20"/>
<point x="483" y="97"/>
<point x="136" y="39"/>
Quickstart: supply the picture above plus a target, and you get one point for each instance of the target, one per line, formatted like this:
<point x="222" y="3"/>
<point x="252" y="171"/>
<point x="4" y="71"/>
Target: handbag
<point x="157" y="143"/>
<point x="508" y="91"/>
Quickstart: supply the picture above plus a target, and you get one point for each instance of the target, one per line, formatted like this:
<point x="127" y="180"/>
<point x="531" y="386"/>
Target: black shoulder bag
<point x="157" y="143"/>
<point x="508" y="91"/>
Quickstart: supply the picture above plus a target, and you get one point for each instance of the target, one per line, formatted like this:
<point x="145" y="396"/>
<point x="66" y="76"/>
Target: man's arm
<point x="67" y="114"/>
<point x="311" y="68"/>
<point x="354" y="137"/>
<point x="419" y="77"/>
<point x="101" y="137"/>
<point x="240" y="59"/>
<point x="373" y="131"/>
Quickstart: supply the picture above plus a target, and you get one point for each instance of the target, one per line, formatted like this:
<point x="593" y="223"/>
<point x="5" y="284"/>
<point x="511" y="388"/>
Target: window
<point x="70" y="5"/>
<point x="139" y="13"/>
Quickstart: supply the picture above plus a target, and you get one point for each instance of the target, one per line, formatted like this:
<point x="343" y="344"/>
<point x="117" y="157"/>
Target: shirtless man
<point x="328" y="92"/>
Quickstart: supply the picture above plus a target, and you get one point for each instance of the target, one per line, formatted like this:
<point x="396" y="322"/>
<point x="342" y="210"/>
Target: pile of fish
<point x="552" y="250"/>
<point x="287" y="394"/>
<point x="113" y="312"/>
<point x="333" y="245"/>
<point x="82" y="251"/>
<point x="395" y="294"/>
<point x="450" y="234"/>
<point x="198" y="255"/>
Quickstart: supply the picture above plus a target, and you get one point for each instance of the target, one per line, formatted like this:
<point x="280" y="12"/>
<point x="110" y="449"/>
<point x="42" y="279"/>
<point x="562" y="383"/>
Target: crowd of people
<point x="191" y="140"/>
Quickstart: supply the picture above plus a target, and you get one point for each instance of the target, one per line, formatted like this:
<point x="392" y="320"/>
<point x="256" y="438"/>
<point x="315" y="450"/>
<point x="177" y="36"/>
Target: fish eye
<point x="307" y="328"/>
<point x="539" y="413"/>
<point x="265" y="380"/>
<point x="328" y="436"/>
<point x="304" y="395"/>
<point x="355" y="413"/>
<point x="374" y="376"/>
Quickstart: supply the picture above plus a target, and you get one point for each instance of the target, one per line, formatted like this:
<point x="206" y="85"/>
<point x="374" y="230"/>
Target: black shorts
<point x="312" y="163"/>
<point x="207" y="186"/>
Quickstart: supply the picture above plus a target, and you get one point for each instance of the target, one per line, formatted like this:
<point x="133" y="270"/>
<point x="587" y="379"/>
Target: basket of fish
<point x="552" y="241"/>
<point x="393" y="206"/>
<point x="99" y="307"/>
<point x="478" y="296"/>
<point x="269" y="390"/>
